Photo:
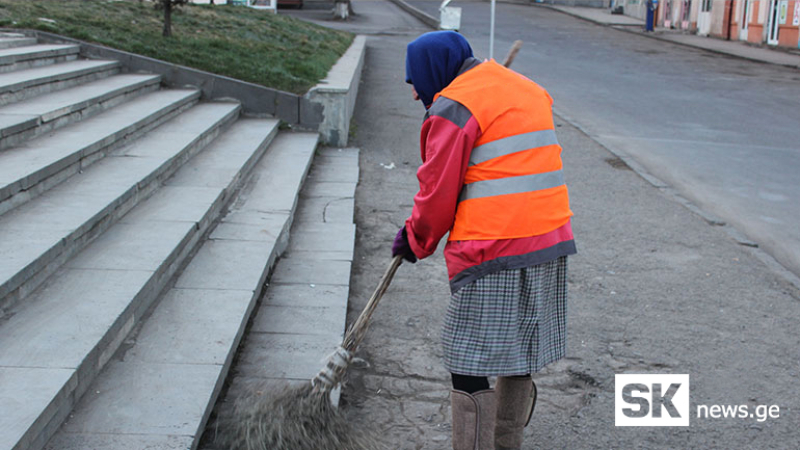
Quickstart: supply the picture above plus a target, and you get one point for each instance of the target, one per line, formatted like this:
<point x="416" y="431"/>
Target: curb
<point x="423" y="17"/>
<point x="337" y="94"/>
<point x="710" y="50"/>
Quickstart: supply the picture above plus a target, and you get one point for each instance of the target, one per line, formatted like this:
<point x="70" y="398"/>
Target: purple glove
<point x="401" y="246"/>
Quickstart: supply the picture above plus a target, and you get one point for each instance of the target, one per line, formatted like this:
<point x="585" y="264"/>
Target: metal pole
<point x="491" y="34"/>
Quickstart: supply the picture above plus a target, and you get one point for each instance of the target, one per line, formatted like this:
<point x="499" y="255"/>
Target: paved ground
<point x="654" y="288"/>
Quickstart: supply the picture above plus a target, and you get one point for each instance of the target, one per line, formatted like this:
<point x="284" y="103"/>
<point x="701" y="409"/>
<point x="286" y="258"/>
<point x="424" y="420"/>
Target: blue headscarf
<point x="433" y="61"/>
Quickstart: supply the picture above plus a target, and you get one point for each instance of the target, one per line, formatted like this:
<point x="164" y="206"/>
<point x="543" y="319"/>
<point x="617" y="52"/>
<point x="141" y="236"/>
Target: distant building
<point x="774" y="22"/>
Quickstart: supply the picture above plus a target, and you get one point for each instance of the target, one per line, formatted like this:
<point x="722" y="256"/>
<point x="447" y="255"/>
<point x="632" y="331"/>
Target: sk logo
<point x="651" y="400"/>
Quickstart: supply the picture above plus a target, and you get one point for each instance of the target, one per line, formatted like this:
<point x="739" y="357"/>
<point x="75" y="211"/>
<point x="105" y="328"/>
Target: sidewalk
<point x="653" y="289"/>
<point x="602" y="16"/>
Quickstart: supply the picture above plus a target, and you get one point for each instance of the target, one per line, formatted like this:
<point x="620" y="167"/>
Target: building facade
<point x="773" y="22"/>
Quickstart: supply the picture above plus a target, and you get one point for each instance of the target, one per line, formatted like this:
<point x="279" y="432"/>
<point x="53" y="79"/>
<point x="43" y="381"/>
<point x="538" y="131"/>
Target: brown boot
<point x="473" y="419"/>
<point x="516" y="398"/>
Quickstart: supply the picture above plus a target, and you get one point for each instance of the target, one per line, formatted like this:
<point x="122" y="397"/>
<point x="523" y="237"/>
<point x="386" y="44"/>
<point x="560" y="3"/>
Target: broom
<point x="303" y="417"/>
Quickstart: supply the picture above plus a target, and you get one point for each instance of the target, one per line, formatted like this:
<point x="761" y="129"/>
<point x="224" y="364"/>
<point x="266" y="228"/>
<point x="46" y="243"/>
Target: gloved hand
<point x="401" y="246"/>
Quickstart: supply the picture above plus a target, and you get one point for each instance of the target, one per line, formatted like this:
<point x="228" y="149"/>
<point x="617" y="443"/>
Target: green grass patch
<point x="268" y="49"/>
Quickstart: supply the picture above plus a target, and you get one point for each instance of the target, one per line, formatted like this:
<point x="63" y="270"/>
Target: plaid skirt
<point x="511" y="322"/>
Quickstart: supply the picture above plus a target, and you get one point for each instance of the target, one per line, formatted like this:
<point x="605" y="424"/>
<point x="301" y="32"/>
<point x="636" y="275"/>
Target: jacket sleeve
<point x="445" y="154"/>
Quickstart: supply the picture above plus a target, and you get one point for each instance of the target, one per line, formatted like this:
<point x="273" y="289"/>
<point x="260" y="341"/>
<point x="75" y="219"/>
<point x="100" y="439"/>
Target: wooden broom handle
<point x="512" y="53"/>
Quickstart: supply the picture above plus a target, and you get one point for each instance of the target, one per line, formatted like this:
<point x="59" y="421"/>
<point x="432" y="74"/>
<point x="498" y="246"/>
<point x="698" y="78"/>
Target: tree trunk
<point x="167" y="18"/>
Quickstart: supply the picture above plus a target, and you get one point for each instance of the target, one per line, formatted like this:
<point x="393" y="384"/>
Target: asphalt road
<point x="653" y="289"/>
<point x="724" y="132"/>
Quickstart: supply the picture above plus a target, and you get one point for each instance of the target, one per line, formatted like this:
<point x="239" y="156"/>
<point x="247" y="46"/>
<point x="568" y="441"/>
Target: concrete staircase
<point x="138" y="225"/>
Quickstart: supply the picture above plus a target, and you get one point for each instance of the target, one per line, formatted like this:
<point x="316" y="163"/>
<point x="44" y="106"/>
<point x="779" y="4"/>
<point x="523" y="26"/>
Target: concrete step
<point x="22" y="84"/>
<point x="33" y="167"/>
<point x="7" y="40"/>
<point x="47" y="231"/>
<point x="24" y="120"/>
<point x="54" y="346"/>
<point x="159" y="390"/>
<point x="19" y="58"/>
<point x="301" y="318"/>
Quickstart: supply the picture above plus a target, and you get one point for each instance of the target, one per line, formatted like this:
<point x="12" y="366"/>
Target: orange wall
<point x="725" y="25"/>
<point x="756" y="6"/>
<point x="755" y="30"/>
<point x="788" y="37"/>
<point x="755" y="33"/>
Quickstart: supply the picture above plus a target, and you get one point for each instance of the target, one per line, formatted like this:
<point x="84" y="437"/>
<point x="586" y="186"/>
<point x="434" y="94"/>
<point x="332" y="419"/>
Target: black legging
<point x="470" y="384"/>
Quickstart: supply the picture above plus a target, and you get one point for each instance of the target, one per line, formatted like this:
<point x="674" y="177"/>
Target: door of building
<point x="667" y="13"/>
<point x="686" y="11"/>
<point x="772" y="23"/>
<point x="704" y="18"/>
<point x="744" y="20"/>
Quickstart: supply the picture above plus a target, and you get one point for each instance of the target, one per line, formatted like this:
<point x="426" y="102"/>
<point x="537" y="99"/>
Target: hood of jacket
<point x="433" y="61"/>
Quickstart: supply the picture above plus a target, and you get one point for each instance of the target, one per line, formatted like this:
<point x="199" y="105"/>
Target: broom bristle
<point x="290" y="419"/>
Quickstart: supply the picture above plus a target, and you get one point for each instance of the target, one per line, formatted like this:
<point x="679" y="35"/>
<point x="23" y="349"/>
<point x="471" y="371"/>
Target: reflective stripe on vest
<point x="512" y="144"/>
<point x="512" y="185"/>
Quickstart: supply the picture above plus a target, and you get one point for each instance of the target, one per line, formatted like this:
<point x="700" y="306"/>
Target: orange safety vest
<point x="514" y="186"/>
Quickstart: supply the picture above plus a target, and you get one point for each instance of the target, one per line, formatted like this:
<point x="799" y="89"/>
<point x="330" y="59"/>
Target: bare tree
<point x="168" y="6"/>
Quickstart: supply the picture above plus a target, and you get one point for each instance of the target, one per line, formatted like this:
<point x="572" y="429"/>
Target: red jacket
<point x="449" y="133"/>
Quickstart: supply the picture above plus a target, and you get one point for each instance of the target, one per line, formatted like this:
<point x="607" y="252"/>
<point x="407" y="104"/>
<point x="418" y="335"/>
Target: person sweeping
<point x="491" y="176"/>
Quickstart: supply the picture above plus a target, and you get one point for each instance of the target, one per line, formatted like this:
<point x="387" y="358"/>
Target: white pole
<point x="491" y="34"/>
